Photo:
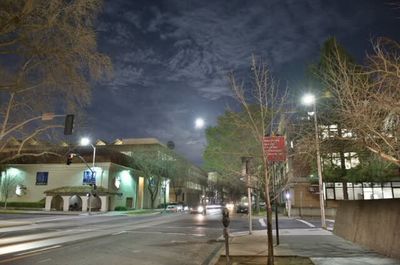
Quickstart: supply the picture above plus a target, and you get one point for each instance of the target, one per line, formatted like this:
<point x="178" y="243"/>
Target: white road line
<point x="118" y="233"/>
<point x="37" y="250"/>
<point x="261" y="220"/>
<point x="43" y="261"/>
<point x="305" y="222"/>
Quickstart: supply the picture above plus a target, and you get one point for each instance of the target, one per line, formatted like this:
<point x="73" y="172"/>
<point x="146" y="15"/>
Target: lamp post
<point x="85" y="142"/>
<point x="246" y="175"/>
<point x="309" y="99"/>
<point x="288" y="203"/>
<point x="171" y="146"/>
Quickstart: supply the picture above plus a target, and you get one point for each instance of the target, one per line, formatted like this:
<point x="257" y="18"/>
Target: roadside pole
<point x="276" y="202"/>
<point x="225" y="222"/>
<point x="246" y="175"/>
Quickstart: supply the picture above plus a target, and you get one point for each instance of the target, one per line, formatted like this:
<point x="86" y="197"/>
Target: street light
<point x="309" y="99"/>
<point x="288" y="203"/>
<point x="85" y="142"/>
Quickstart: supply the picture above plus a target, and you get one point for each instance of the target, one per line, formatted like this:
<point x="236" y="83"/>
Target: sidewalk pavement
<point x="321" y="246"/>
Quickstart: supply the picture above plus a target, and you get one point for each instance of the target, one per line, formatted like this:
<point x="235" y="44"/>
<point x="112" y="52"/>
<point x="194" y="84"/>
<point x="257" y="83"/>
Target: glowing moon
<point x="199" y="123"/>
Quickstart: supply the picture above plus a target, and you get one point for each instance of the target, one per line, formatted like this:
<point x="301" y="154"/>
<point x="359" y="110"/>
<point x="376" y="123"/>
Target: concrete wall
<point x="374" y="224"/>
<point x="303" y="198"/>
<point x="329" y="212"/>
<point x="59" y="175"/>
<point x="127" y="188"/>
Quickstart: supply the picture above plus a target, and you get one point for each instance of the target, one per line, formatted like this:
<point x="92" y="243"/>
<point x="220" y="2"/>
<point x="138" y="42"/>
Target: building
<point x="113" y="180"/>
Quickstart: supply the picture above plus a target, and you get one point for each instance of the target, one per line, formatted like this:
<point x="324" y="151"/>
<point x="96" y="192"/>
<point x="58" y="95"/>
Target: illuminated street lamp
<point x="288" y="203"/>
<point x="309" y="99"/>
<point x="85" y="142"/>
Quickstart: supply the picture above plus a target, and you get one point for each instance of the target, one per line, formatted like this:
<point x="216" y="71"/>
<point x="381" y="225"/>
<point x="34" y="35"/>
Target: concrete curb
<point x="5" y="224"/>
<point x="213" y="258"/>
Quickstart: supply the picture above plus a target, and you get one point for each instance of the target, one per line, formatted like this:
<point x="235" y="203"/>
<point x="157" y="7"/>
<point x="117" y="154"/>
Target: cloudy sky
<point x="171" y="57"/>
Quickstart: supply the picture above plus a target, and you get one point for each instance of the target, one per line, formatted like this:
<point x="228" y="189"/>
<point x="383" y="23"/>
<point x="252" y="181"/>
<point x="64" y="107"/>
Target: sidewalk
<point x="321" y="246"/>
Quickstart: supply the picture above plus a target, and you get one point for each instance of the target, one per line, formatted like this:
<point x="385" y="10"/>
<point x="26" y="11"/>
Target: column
<point x="84" y="203"/>
<point x="104" y="203"/>
<point x="65" y="203"/>
<point x="47" y="206"/>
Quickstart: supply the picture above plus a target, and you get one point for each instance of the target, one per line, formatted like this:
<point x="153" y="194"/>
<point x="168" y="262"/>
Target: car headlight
<point x="200" y="208"/>
<point x="230" y="206"/>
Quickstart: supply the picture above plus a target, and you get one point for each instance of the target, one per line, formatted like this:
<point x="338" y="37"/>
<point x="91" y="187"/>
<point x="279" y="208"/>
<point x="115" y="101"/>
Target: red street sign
<point x="274" y="147"/>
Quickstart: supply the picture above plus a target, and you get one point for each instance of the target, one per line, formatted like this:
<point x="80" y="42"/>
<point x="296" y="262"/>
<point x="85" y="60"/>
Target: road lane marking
<point x="32" y="253"/>
<point x="44" y="260"/>
<point x="261" y="220"/>
<point x="37" y="250"/>
<point x="305" y="222"/>
<point x="118" y="233"/>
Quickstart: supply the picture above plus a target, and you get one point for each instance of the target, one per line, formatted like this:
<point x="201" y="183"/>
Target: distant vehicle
<point x="172" y="208"/>
<point x="242" y="209"/>
<point x="213" y="206"/>
<point x="196" y="209"/>
<point x="178" y="206"/>
<point x="230" y="206"/>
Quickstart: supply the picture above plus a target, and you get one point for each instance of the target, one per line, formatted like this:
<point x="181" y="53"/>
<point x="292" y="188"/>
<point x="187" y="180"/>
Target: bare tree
<point x="48" y="59"/>
<point x="368" y="98"/>
<point x="269" y="103"/>
<point x="8" y="184"/>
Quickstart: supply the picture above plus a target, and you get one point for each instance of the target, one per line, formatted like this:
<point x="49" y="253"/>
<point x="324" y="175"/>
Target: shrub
<point x="39" y="204"/>
<point x="120" y="208"/>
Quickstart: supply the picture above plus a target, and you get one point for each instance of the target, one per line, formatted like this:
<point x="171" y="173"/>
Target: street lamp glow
<point x="199" y="123"/>
<point x="85" y="141"/>
<point x="308" y="99"/>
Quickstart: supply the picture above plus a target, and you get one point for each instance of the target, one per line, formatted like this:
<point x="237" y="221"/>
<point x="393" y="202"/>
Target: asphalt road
<point x="177" y="238"/>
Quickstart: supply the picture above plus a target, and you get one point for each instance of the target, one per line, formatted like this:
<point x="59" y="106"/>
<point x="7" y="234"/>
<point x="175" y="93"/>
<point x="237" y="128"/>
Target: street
<point x="176" y="238"/>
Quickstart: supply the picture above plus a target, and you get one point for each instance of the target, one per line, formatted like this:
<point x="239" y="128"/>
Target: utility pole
<point x="246" y="175"/>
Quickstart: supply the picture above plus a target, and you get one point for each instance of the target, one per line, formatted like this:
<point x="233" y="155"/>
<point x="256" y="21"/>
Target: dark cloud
<point x="171" y="57"/>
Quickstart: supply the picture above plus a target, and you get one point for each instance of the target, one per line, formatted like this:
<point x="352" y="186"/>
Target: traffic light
<point x="69" y="158"/>
<point x="69" y="124"/>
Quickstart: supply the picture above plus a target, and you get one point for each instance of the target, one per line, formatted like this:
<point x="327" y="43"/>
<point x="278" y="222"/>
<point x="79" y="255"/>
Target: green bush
<point x="39" y="204"/>
<point x="120" y="208"/>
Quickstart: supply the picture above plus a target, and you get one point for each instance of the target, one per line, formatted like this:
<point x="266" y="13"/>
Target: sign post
<point x="275" y="148"/>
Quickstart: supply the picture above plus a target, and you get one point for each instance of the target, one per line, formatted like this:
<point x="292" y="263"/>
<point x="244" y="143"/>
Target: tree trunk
<point x="343" y="167"/>
<point x="269" y="218"/>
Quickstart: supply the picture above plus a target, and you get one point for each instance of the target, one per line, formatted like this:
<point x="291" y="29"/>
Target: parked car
<point x="242" y="209"/>
<point x="178" y="206"/>
<point x="172" y="208"/>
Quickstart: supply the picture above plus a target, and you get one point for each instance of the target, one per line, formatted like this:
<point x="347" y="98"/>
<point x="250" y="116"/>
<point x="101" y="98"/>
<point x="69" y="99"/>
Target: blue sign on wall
<point x="41" y="178"/>
<point x="89" y="177"/>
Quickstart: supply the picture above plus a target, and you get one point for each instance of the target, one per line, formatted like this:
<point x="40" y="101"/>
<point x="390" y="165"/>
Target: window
<point x="89" y="177"/>
<point x="41" y="178"/>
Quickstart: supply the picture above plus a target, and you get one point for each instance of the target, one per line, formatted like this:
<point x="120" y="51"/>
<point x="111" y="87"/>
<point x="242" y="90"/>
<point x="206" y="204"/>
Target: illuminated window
<point x="42" y="178"/>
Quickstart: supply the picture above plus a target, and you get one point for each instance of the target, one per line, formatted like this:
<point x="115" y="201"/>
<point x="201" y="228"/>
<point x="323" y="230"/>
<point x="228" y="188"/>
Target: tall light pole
<point x="246" y="175"/>
<point x="309" y="99"/>
<point x="85" y="142"/>
<point x="171" y="146"/>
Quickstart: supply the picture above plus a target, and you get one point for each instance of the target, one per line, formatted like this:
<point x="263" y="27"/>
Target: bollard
<point x="225" y="222"/>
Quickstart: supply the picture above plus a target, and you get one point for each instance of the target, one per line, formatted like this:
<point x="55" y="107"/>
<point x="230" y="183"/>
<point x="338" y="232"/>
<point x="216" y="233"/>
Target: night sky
<point x="171" y="57"/>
